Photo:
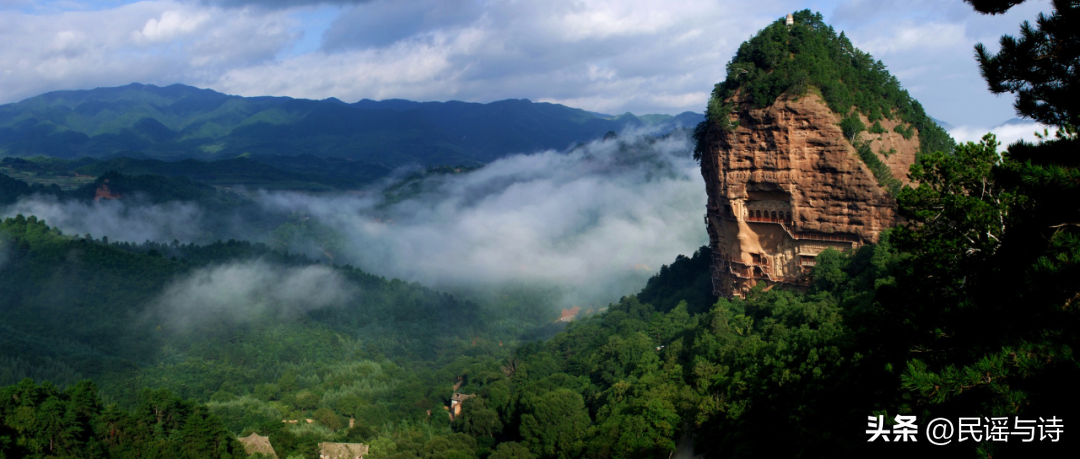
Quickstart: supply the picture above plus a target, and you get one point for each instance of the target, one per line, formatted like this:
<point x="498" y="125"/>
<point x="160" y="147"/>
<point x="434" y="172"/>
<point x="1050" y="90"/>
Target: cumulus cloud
<point x="606" y="56"/>
<point x="240" y="293"/>
<point x="159" y="42"/>
<point x="117" y="220"/>
<point x="171" y="25"/>
<point x="597" y="221"/>
<point x="644" y="57"/>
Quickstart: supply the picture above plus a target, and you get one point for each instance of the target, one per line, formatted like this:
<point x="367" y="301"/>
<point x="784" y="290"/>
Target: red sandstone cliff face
<point x="785" y="185"/>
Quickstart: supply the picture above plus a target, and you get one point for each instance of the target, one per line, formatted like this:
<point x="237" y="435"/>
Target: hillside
<point x="179" y="122"/>
<point x="809" y="56"/>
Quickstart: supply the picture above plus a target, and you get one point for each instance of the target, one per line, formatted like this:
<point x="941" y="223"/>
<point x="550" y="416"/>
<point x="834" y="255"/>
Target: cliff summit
<point x="803" y="148"/>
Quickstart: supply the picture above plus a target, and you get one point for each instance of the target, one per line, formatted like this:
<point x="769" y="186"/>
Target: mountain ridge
<point x="177" y="122"/>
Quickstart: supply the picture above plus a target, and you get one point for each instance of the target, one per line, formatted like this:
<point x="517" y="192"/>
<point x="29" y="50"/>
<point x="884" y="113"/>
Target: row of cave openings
<point x="758" y="215"/>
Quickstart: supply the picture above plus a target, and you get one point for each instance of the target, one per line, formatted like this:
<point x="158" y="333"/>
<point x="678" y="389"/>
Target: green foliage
<point x="42" y="421"/>
<point x="553" y="423"/>
<point x="511" y="450"/>
<point x="904" y="130"/>
<point x="851" y="126"/>
<point x="1039" y="67"/>
<point x="881" y="172"/>
<point x="478" y="420"/>
<point x="877" y="129"/>
<point x="11" y="189"/>
<point x="791" y="60"/>
<point x="684" y="280"/>
<point x="962" y="210"/>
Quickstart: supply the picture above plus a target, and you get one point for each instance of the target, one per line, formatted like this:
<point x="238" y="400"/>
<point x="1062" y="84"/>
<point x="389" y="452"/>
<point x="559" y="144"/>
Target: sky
<point x="641" y="56"/>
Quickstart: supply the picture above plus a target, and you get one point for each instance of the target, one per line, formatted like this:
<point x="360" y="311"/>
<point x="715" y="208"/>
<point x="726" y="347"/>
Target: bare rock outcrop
<point x="786" y="184"/>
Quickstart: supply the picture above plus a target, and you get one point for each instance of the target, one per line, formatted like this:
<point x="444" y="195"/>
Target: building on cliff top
<point x="784" y="185"/>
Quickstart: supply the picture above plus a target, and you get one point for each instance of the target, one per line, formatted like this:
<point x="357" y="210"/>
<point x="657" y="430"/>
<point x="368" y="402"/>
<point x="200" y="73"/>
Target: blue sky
<point x="642" y="56"/>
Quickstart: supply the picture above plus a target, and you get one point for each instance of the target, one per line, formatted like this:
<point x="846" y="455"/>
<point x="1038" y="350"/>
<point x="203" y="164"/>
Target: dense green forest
<point x="968" y="309"/>
<point x="76" y="307"/>
<point x="268" y="172"/>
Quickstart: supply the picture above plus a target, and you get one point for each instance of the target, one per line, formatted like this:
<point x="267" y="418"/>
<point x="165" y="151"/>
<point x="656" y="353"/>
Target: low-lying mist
<point x="238" y="293"/>
<point x="132" y="221"/>
<point x="595" y="222"/>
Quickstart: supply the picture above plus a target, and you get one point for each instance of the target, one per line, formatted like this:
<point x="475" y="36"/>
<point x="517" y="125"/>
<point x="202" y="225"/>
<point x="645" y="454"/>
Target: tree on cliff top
<point x="1042" y="67"/>
<point x="782" y="59"/>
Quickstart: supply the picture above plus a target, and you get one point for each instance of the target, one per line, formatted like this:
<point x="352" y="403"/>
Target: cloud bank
<point x="239" y="293"/>
<point x="1007" y="134"/>
<point x="131" y="221"/>
<point x="597" y="221"/>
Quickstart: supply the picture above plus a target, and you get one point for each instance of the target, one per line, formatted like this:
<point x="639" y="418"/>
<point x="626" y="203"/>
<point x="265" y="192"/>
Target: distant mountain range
<point x="182" y="122"/>
<point x="944" y="125"/>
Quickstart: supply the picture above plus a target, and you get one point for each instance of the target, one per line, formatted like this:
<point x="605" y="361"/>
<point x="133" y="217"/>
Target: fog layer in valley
<point x="237" y="293"/>
<point x="596" y="221"/>
<point x="132" y="221"/>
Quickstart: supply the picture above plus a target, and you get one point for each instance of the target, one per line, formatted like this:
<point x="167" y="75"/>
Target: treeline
<point x="154" y="188"/>
<point x="44" y="421"/>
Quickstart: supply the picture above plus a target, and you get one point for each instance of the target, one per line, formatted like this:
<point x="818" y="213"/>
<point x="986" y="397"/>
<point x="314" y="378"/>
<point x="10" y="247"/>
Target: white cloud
<point x="929" y="46"/>
<point x="159" y="42"/>
<point x="118" y="220"/>
<point x="586" y="221"/>
<point x="171" y="25"/>
<point x="237" y="293"/>
<point x="1006" y="133"/>
<point x="612" y="56"/>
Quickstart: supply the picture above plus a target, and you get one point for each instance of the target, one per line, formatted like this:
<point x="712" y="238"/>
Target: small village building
<point x="342" y="450"/>
<point x="569" y="314"/>
<point x="256" y="443"/>
<point x="455" y="403"/>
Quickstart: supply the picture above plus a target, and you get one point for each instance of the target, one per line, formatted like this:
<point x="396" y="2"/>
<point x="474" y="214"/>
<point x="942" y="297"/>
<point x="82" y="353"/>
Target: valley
<point x="187" y="273"/>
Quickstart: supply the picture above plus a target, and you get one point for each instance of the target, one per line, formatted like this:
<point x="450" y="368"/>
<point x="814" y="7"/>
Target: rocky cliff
<point x="786" y="184"/>
<point x="802" y="147"/>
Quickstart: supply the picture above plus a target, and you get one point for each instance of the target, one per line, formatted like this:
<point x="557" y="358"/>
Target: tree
<point x="989" y="301"/>
<point x="477" y="419"/>
<point x="1042" y="67"/>
<point x="511" y="450"/>
<point x="554" y="423"/>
